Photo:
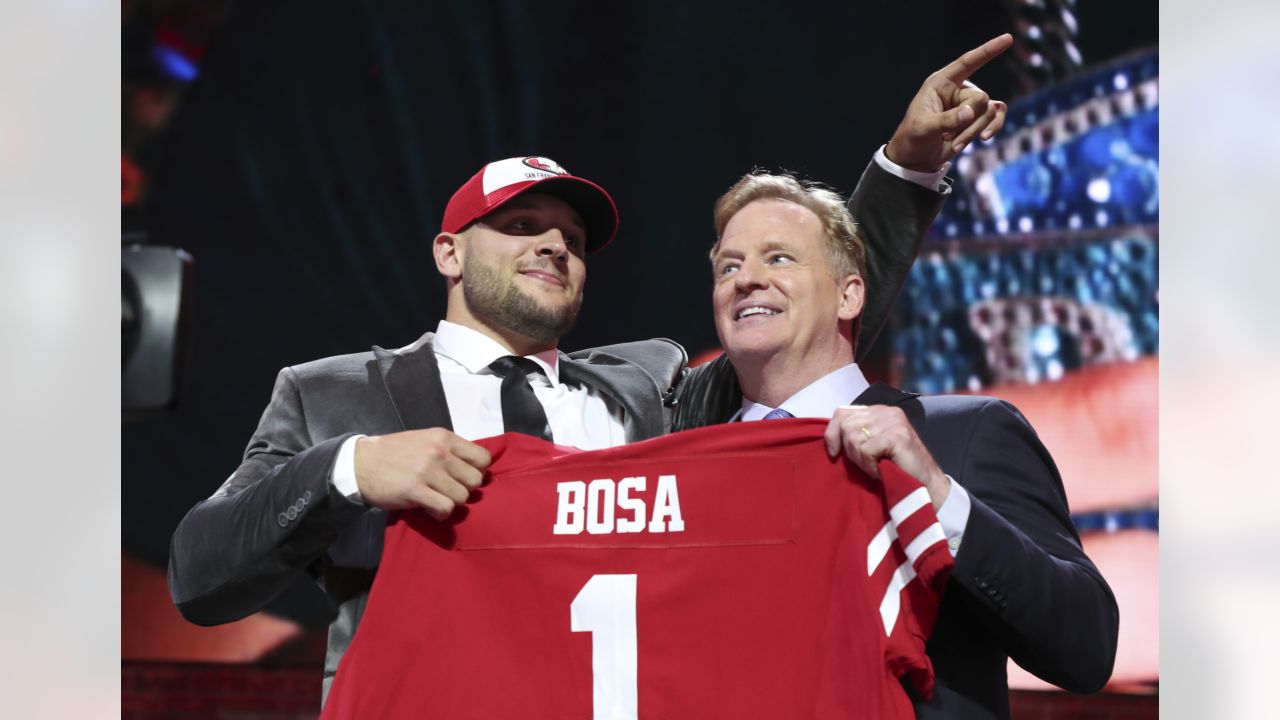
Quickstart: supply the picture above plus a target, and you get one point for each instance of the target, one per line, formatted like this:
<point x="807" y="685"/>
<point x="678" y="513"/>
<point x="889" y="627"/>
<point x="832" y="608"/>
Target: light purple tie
<point x="777" y="414"/>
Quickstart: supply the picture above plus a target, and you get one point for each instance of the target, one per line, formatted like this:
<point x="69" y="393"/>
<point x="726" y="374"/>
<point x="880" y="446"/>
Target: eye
<point x="781" y="259"/>
<point x="573" y="242"/>
<point x="728" y="268"/>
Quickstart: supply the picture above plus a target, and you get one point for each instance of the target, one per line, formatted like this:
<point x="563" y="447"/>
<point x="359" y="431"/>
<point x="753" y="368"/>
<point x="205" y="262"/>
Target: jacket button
<point x="282" y="520"/>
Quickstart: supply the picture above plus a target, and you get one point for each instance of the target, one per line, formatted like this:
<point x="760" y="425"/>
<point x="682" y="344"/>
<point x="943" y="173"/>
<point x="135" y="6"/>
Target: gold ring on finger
<point x="866" y="432"/>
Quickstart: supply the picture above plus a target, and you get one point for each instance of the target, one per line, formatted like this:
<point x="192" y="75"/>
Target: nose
<point x="551" y="244"/>
<point x="751" y="275"/>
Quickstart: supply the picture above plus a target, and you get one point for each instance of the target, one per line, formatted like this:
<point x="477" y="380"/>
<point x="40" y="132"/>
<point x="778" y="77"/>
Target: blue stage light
<point x="174" y="63"/>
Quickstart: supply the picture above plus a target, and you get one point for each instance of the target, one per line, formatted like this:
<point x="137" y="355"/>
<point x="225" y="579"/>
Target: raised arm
<point x="895" y="212"/>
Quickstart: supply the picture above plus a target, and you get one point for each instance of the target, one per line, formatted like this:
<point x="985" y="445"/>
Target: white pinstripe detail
<point x="926" y="539"/>
<point x="892" y="601"/>
<point x="909" y="504"/>
<point x="879" y="546"/>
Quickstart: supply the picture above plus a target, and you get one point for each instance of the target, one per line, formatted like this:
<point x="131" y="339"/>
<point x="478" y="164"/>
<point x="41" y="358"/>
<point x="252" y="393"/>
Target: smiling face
<point x="518" y="273"/>
<point x="776" y="301"/>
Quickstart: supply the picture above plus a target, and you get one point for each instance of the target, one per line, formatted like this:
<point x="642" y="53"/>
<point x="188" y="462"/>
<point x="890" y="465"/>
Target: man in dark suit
<point x="789" y="291"/>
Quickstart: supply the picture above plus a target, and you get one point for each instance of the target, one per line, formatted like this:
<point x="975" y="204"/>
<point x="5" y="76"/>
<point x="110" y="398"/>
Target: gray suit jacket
<point x="278" y="514"/>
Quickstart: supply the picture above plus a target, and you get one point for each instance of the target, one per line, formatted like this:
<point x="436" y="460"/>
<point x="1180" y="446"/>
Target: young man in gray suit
<point x="789" y="288"/>
<point x="346" y="438"/>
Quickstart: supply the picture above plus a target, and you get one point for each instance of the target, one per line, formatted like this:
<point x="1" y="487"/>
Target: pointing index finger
<point x="969" y="63"/>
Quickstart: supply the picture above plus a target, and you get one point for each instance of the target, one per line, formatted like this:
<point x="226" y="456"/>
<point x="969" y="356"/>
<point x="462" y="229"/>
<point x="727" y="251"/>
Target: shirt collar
<point x="818" y="399"/>
<point x="474" y="350"/>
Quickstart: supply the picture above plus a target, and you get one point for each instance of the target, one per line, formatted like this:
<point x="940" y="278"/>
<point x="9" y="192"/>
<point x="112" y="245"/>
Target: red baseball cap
<point x="498" y="182"/>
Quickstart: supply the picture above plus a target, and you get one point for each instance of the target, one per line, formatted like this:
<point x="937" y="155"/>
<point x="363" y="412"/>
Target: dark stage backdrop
<point x="308" y="165"/>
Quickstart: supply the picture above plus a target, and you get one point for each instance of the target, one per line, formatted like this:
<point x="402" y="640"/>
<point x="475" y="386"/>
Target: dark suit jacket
<point x="1021" y="587"/>
<point x="278" y="514"/>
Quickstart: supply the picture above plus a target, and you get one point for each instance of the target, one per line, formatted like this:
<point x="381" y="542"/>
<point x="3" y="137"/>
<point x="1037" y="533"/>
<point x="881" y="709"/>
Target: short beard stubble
<point x="497" y="301"/>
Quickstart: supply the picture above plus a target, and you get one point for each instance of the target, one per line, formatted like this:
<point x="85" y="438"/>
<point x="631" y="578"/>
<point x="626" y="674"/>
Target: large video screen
<point x="1039" y="284"/>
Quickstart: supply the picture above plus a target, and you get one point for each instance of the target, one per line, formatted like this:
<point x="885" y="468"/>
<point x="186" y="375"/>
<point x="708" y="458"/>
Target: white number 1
<point x="606" y="608"/>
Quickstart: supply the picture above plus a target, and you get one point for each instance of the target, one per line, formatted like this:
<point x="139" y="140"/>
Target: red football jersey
<point x="727" y="572"/>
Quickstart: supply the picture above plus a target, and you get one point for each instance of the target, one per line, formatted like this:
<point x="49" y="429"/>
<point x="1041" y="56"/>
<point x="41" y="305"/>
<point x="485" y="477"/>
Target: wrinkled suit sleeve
<point x="275" y="516"/>
<point x="1022" y="560"/>
<point x="894" y="215"/>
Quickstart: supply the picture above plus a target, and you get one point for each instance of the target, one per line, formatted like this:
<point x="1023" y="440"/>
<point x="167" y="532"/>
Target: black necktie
<point x="521" y="411"/>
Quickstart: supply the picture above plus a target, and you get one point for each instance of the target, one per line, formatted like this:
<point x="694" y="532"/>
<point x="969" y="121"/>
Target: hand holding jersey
<point x="434" y="469"/>
<point x="868" y="434"/>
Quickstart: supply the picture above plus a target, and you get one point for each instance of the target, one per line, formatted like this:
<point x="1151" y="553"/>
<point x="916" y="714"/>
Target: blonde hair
<point x="846" y="247"/>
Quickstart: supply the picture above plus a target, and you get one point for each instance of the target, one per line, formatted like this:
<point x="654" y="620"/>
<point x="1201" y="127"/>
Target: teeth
<point x="746" y="312"/>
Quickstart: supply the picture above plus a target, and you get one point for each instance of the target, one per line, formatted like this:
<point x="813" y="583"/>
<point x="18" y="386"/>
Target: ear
<point x="448" y="249"/>
<point x="852" y="295"/>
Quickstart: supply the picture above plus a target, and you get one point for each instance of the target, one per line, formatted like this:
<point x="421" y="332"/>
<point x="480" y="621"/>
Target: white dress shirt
<point x="579" y="416"/>
<point x="820" y="398"/>
<point x="936" y="181"/>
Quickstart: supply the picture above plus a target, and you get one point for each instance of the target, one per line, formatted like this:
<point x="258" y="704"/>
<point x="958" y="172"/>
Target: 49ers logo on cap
<point x="499" y="181"/>
<point x="545" y="165"/>
<point x="516" y="170"/>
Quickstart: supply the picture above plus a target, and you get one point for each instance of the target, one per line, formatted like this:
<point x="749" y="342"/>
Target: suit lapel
<point x="624" y="383"/>
<point x="728" y="401"/>
<point x="882" y="394"/>
<point x="412" y="380"/>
